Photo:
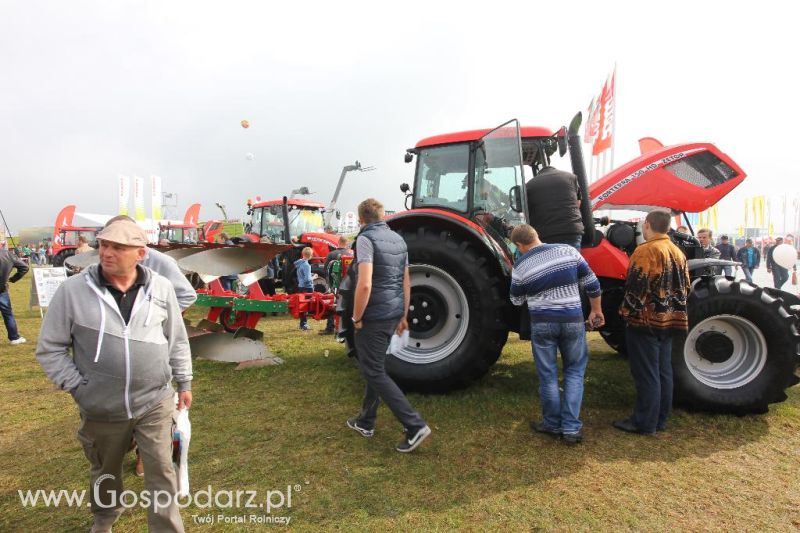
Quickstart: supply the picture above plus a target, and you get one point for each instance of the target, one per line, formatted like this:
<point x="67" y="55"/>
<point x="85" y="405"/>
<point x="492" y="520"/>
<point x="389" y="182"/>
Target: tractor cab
<point x="178" y="233"/>
<point x="300" y="217"/>
<point x="479" y="174"/>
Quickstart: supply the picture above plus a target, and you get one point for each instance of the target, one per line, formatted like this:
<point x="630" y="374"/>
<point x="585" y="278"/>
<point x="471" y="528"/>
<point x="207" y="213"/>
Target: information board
<point x="45" y="282"/>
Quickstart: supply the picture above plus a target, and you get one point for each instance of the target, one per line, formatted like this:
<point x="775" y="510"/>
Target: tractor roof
<point x="474" y="135"/>
<point x="80" y="228"/>
<point x="299" y="202"/>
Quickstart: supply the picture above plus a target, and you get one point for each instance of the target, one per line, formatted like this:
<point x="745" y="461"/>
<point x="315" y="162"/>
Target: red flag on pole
<point x="605" y="135"/>
<point x="592" y="124"/>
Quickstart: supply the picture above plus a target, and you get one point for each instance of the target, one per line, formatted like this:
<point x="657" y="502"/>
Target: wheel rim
<point x="725" y="351"/>
<point x="437" y="318"/>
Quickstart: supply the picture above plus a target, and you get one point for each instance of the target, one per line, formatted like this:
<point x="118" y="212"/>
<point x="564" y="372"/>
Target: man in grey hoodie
<point x="122" y="324"/>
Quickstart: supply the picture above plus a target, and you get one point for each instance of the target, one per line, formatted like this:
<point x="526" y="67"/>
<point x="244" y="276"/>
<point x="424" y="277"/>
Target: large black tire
<point x="60" y="257"/>
<point x="613" y="332"/>
<point x="457" y="314"/>
<point x="741" y="350"/>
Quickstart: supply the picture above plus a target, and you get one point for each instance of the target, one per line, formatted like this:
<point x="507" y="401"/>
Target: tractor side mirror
<point x="409" y="157"/>
<point x="404" y="188"/>
<point x="338" y="214"/>
<point x="515" y="198"/>
<point x="561" y="137"/>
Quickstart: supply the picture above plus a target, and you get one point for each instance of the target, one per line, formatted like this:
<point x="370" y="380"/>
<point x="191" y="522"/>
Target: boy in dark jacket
<point x="304" y="283"/>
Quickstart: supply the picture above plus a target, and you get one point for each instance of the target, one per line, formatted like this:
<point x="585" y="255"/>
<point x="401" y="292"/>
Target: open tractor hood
<point x="686" y="177"/>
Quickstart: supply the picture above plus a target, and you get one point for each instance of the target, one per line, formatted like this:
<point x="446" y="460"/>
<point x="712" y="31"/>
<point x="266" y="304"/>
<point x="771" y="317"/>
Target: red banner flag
<point x="605" y="134"/>
<point x="592" y="123"/>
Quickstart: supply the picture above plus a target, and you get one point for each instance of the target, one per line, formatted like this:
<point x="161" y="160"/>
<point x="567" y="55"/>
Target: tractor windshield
<point x="70" y="237"/>
<point x="178" y="234"/>
<point x="442" y="175"/>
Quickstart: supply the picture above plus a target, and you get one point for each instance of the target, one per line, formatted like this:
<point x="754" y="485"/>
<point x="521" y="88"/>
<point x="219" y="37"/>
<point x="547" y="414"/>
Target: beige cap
<point x="124" y="232"/>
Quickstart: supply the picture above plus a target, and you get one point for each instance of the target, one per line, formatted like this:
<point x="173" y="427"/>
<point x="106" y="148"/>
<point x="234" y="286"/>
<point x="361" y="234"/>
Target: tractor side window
<point x="442" y="177"/>
<point x="256" y="222"/>
<point x="492" y="188"/>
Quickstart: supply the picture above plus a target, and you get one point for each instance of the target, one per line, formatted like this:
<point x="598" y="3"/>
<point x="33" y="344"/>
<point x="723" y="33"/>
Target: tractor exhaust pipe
<point x="579" y="169"/>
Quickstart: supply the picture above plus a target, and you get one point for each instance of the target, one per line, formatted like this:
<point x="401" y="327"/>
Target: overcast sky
<point x="93" y="89"/>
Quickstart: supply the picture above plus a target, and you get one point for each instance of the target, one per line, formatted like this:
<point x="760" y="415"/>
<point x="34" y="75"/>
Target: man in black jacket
<point x="7" y="262"/>
<point x="727" y="251"/>
<point x="554" y="204"/>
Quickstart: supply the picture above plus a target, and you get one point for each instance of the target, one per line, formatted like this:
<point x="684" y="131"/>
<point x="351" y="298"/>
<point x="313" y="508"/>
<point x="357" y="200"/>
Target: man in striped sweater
<point x="550" y="278"/>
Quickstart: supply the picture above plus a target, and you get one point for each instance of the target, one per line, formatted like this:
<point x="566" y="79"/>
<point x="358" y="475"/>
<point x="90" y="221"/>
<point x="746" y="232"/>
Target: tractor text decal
<point x="641" y="172"/>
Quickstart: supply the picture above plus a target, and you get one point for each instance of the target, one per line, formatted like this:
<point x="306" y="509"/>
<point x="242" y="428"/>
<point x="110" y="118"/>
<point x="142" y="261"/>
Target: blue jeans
<point x="650" y="356"/>
<point x="748" y="274"/>
<point x="780" y="276"/>
<point x="570" y="339"/>
<point x="728" y="270"/>
<point x="8" y="316"/>
<point x="575" y="242"/>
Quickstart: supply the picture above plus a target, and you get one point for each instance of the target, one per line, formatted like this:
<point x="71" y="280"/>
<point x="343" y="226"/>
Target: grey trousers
<point x="105" y="445"/>
<point x="372" y="341"/>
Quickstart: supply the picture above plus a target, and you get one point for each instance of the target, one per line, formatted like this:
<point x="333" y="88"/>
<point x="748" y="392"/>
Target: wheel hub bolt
<point x="415" y="321"/>
<point x="424" y="305"/>
<point x="428" y="318"/>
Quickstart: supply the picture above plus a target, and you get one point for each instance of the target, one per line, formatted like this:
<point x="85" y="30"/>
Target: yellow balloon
<point x="245" y="124"/>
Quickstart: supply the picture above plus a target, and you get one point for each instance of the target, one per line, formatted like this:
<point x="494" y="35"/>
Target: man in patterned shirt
<point x="654" y="309"/>
<point x="550" y="277"/>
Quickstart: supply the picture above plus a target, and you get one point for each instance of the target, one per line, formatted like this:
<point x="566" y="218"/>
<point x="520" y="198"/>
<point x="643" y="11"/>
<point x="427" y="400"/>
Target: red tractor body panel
<point x="685" y="177"/>
<point x="606" y="260"/>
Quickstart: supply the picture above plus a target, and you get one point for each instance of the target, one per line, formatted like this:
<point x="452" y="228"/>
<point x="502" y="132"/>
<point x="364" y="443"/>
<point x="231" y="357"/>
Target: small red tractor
<point x="301" y="223"/>
<point x="741" y="351"/>
<point x="65" y="235"/>
<point x="191" y="231"/>
<point x="297" y="222"/>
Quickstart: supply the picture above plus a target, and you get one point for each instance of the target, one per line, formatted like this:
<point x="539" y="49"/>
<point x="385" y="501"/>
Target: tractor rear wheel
<point x="741" y="350"/>
<point x="455" y="315"/>
<point x="60" y="257"/>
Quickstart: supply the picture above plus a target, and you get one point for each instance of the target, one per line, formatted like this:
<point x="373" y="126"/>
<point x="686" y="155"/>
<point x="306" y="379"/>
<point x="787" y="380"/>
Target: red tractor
<point x="297" y="222"/>
<point x="191" y="232"/>
<point x="741" y="351"/>
<point x="65" y="235"/>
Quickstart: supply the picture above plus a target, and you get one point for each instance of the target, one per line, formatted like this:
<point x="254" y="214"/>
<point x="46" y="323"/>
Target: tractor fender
<point x="458" y="225"/>
<point x="700" y="264"/>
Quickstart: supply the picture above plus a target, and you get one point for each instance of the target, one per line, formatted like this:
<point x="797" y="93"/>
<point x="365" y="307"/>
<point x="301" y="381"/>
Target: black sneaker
<point x="305" y="327"/>
<point x="352" y="423"/>
<point x="539" y="427"/>
<point x="413" y="439"/>
<point x="573" y="438"/>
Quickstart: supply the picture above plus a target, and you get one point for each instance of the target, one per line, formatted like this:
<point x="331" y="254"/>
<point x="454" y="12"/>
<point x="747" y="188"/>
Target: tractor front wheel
<point x="741" y="350"/>
<point x="455" y="318"/>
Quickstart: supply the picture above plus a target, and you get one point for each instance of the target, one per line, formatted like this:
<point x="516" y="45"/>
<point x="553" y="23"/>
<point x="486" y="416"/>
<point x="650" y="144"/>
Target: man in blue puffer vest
<point x="382" y="296"/>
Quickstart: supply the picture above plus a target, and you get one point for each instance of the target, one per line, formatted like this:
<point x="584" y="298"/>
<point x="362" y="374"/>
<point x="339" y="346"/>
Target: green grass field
<point x="270" y="428"/>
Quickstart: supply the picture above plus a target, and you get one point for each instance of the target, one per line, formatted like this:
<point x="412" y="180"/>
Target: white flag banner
<point x="155" y="197"/>
<point x="138" y="197"/>
<point x="124" y="194"/>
